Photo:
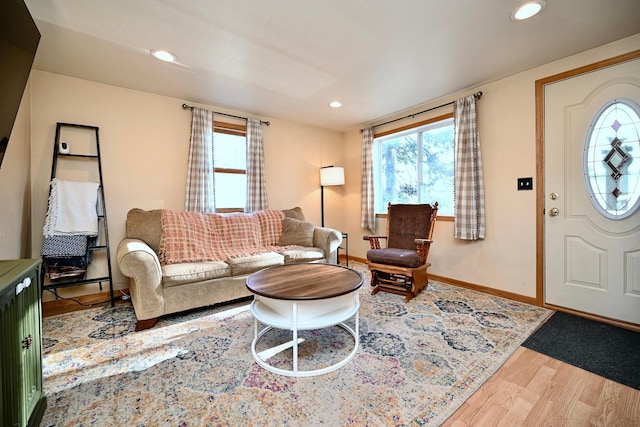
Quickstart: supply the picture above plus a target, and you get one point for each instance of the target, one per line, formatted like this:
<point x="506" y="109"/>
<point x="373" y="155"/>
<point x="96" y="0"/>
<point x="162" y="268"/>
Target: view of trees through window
<point x="416" y="166"/>
<point x="230" y="160"/>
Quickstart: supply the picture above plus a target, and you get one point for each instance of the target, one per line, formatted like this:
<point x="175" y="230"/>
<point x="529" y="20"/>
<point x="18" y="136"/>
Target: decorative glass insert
<point x="611" y="159"/>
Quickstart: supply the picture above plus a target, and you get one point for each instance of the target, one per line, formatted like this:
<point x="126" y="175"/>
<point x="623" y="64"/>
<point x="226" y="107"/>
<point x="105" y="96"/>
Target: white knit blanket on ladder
<point x="72" y="208"/>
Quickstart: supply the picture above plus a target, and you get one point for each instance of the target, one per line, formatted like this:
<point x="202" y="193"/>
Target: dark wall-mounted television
<point x="19" y="38"/>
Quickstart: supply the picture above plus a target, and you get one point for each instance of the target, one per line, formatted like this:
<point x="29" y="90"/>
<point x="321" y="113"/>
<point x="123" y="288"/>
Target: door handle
<point x="554" y="212"/>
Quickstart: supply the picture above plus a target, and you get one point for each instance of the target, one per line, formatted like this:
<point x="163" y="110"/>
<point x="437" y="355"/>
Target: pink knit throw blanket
<point x="196" y="237"/>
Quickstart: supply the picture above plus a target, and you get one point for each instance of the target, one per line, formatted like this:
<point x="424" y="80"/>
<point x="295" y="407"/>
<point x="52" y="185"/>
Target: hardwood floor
<point x="83" y="302"/>
<point x="532" y="389"/>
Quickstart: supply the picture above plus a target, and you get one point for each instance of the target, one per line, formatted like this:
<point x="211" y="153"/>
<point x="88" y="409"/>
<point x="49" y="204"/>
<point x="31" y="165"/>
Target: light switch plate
<point x="525" y="184"/>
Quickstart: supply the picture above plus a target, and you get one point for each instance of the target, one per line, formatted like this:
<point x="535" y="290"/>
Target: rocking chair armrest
<point x="373" y="237"/>
<point x="423" y="242"/>
<point x="374" y="241"/>
<point x="422" y="248"/>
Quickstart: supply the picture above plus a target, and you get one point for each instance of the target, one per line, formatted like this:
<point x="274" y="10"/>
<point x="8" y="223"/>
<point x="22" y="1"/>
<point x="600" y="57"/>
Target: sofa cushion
<point x="296" y="232"/>
<point x="178" y="274"/>
<point x="145" y="226"/>
<point x="295" y="213"/>
<point x="295" y="254"/>
<point x="250" y="263"/>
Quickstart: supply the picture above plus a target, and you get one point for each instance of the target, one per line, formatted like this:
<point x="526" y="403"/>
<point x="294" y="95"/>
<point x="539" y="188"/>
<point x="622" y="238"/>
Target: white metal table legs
<point x="274" y="316"/>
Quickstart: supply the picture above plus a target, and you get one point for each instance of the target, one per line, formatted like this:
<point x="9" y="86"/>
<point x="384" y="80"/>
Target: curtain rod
<point x="477" y="95"/>
<point x="190" y="107"/>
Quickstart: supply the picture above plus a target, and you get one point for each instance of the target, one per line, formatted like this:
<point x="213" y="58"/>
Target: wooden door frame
<point x="540" y="197"/>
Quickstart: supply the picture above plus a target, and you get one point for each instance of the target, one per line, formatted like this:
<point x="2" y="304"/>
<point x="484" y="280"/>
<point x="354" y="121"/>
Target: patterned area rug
<point x="417" y="363"/>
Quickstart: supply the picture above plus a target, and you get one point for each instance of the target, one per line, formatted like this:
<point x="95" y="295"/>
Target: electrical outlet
<point x="525" y="184"/>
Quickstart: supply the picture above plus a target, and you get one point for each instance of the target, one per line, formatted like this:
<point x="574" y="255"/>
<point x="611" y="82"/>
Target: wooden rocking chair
<point x="401" y="267"/>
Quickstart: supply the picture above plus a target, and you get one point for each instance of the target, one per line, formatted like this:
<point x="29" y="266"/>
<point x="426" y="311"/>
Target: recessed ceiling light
<point x="527" y="10"/>
<point x="335" y="104"/>
<point x="164" y="55"/>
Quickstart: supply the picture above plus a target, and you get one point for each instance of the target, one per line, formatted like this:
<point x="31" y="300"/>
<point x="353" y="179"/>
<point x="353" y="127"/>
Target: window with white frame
<point x="415" y="165"/>
<point x="230" y="160"/>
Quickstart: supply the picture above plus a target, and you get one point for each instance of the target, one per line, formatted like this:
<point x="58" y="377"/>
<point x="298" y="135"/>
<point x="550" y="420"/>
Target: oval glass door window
<point x="612" y="159"/>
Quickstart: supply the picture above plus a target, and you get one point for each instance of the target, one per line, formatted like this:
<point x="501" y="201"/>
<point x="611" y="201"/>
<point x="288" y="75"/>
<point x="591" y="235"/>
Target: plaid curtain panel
<point x="256" y="185"/>
<point x="199" y="194"/>
<point x="367" y="210"/>
<point x="469" y="221"/>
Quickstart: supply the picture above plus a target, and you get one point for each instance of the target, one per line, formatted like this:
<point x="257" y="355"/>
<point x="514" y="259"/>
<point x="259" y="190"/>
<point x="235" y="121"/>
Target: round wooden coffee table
<point x="304" y="297"/>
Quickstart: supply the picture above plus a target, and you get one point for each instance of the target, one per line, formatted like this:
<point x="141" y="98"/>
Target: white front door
<point x="592" y="259"/>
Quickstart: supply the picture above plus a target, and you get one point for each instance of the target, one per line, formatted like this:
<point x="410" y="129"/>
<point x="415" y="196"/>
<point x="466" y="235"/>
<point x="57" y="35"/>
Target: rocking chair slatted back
<point x="405" y="223"/>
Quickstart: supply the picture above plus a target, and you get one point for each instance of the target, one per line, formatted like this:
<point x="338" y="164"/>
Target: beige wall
<point x="14" y="188"/>
<point x="144" y="140"/>
<point x="505" y="260"/>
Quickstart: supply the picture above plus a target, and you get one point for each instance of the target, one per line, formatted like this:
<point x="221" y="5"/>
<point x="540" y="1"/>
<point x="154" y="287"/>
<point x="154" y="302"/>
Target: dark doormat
<point x="597" y="347"/>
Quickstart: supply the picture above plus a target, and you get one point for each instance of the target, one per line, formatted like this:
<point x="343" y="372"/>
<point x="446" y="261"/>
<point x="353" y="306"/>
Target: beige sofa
<point x="176" y="261"/>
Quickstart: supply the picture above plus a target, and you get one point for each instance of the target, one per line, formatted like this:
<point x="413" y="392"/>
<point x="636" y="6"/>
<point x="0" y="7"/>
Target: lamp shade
<point x="331" y="175"/>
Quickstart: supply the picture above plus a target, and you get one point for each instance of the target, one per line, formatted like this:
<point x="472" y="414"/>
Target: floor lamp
<point x="329" y="175"/>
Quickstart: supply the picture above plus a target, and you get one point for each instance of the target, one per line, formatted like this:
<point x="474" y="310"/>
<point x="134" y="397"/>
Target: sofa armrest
<point x="328" y="240"/>
<point x="140" y="263"/>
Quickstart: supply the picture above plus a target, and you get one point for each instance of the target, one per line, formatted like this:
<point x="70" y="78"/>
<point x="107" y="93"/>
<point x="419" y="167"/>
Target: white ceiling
<point x="289" y="58"/>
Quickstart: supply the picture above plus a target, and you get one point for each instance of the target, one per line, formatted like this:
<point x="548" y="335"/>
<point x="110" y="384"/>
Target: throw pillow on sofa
<point x="296" y="232"/>
<point x="295" y="213"/>
<point x="146" y="226"/>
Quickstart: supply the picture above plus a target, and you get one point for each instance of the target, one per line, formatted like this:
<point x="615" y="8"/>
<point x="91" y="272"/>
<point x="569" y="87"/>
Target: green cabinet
<point x="22" y="400"/>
